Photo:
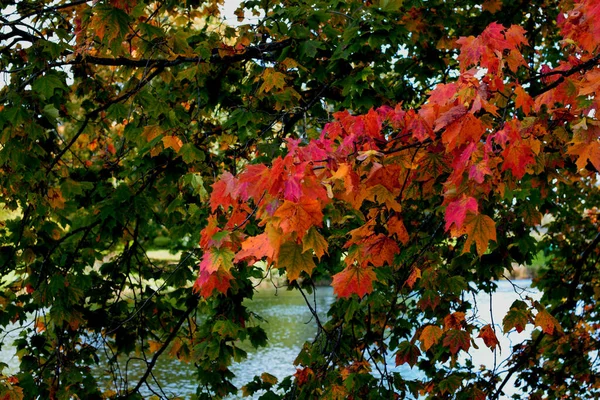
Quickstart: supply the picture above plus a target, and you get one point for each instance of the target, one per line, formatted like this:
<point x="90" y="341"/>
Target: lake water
<point x="290" y="323"/>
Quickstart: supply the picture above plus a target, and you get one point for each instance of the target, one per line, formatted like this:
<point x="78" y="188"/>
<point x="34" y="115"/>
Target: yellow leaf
<point x="315" y="241"/>
<point x="55" y="198"/>
<point x="151" y="131"/>
<point x="294" y="260"/>
<point x="480" y="229"/>
<point x="271" y="79"/>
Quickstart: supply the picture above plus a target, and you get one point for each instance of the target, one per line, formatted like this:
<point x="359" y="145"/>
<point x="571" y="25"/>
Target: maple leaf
<point x="456" y="340"/>
<point x="217" y="258"/>
<point x="523" y="100"/>
<point x="299" y="217"/>
<point x="517" y="317"/>
<point x="172" y="142"/>
<point x="381" y="195"/>
<point x="489" y="337"/>
<point x="493" y="6"/>
<point x="255" y="248"/>
<point x="209" y="231"/>
<point x="456" y="212"/>
<point x="385" y="175"/>
<point x="479" y="170"/>
<point x="454" y="320"/>
<point x="294" y="260"/>
<point x="468" y="129"/>
<point x="271" y="79"/>
<point x="373" y="124"/>
<point x="303" y="375"/>
<point x="517" y="157"/>
<point x="450" y="384"/>
<point x="407" y="353"/>
<point x="345" y="174"/>
<point x="379" y="250"/>
<point x="256" y="180"/>
<point x="336" y="392"/>
<point x="412" y="278"/>
<point x="429" y="299"/>
<point x="224" y="192"/>
<point x="585" y="144"/>
<point x="449" y="117"/>
<point x="314" y="241"/>
<point x="354" y="279"/>
<point x="480" y="229"/>
<point x="207" y="282"/>
<point x="592" y="83"/>
<point x="547" y="322"/>
<point x="395" y="226"/>
<point x="55" y="198"/>
<point x="429" y="336"/>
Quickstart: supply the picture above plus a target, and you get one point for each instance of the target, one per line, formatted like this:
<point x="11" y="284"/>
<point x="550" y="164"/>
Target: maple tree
<point x="405" y="151"/>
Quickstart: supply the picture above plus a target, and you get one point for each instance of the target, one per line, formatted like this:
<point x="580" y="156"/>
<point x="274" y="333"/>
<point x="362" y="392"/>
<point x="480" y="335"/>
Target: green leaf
<point x="47" y="84"/>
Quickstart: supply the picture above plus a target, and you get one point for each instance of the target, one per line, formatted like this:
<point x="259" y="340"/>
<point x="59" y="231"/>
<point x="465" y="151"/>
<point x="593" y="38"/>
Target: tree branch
<point x="150" y="365"/>
<point x="586" y="66"/>
<point x="248" y="53"/>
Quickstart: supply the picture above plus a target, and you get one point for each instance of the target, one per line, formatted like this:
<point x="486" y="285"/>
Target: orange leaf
<point x="379" y="250"/>
<point x="517" y="156"/>
<point x="299" y="217"/>
<point x="523" y="99"/>
<point x="354" y="279"/>
<point x="380" y="194"/>
<point x="396" y="227"/>
<point x="430" y="335"/>
<point x="257" y="179"/>
<point x="480" y="229"/>
<point x="547" y="322"/>
<point x="412" y="279"/>
<point x="173" y="142"/>
<point x="271" y="79"/>
<point x="489" y="337"/>
<point x="255" y="248"/>
<point x="454" y="320"/>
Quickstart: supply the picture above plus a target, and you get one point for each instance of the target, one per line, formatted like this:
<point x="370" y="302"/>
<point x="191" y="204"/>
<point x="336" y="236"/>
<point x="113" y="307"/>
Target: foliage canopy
<point x="406" y="151"/>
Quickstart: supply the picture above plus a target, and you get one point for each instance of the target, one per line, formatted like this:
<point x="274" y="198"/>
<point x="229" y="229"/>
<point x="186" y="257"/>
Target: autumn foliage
<point x="379" y="177"/>
<point x="409" y="154"/>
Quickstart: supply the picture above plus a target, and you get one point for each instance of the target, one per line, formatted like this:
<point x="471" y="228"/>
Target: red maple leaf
<point x="256" y="180"/>
<point x="379" y="250"/>
<point x="354" y="279"/>
<point x="456" y="212"/>
<point x="207" y="282"/>
<point x="517" y="157"/>
<point x="457" y="340"/>
<point x="489" y="337"/>
<point x="223" y="193"/>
